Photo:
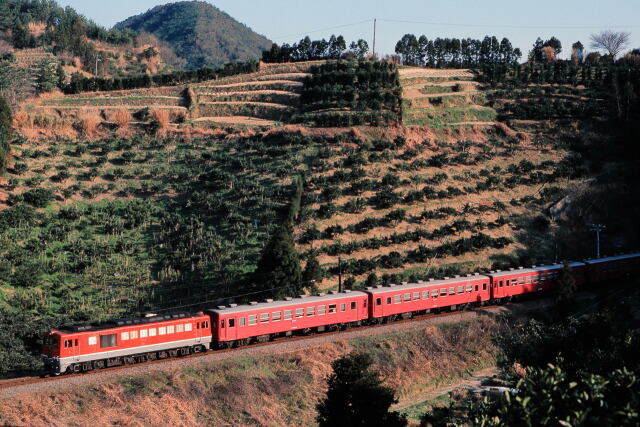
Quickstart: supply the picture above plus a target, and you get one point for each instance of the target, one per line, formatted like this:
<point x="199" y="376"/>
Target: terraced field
<point x="439" y="98"/>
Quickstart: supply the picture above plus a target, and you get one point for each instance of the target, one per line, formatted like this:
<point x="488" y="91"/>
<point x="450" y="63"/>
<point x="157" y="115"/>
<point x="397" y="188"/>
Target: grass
<point x="439" y="118"/>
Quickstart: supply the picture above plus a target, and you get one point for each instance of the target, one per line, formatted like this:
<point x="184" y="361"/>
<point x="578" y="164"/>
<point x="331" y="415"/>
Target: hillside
<point x="199" y="33"/>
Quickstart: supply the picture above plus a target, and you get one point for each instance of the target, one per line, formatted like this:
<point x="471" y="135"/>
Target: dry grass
<point x="89" y="122"/>
<point x="162" y="119"/>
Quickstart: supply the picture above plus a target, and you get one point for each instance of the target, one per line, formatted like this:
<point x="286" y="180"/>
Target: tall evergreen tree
<point x="6" y="131"/>
<point x="278" y="271"/>
<point x="356" y="396"/>
<point x="313" y="273"/>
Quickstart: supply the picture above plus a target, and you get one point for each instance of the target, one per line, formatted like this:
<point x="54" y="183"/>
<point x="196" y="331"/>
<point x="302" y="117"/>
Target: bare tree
<point x="611" y="41"/>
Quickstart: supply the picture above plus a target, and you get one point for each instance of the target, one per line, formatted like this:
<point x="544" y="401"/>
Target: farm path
<point x="237" y="120"/>
<point x="473" y="382"/>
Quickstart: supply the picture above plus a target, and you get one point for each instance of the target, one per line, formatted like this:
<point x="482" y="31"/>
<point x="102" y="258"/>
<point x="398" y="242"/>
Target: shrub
<point x="89" y="123"/>
<point x="38" y="197"/>
<point x="122" y="118"/>
<point x="160" y="121"/>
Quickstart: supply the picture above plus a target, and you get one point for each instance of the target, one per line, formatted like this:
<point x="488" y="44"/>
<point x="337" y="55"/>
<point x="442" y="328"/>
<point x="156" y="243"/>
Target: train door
<point x="231" y="326"/>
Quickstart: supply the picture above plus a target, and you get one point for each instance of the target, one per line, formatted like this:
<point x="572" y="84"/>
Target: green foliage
<point x="199" y="33"/>
<point x="313" y="273"/>
<point x="20" y="340"/>
<point x="551" y="396"/>
<point x="370" y="89"/>
<point x="567" y="288"/>
<point x="6" y="131"/>
<point x="47" y="76"/>
<point x="356" y="396"/>
<point x="278" y="272"/>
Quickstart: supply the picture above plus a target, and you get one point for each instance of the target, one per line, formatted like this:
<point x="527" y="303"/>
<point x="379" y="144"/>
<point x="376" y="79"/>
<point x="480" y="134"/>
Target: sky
<point x="522" y="22"/>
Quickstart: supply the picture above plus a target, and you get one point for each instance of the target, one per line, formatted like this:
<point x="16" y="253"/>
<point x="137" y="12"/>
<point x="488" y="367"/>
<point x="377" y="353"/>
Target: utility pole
<point x="97" y="59"/>
<point x="375" y="22"/>
<point x="598" y="228"/>
<point x="339" y="274"/>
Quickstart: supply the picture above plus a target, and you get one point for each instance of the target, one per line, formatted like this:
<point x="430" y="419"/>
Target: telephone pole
<point x="598" y="228"/>
<point x="375" y="22"/>
<point x="339" y="274"/>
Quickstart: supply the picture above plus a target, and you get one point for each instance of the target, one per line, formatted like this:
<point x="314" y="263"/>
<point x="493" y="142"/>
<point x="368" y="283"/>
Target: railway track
<point x="35" y="383"/>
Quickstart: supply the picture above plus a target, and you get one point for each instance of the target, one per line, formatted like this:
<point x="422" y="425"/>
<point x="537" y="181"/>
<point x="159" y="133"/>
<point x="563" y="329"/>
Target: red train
<point x="121" y="342"/>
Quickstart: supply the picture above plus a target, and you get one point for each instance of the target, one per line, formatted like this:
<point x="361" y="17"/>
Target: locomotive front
<point x="51" y="352"/>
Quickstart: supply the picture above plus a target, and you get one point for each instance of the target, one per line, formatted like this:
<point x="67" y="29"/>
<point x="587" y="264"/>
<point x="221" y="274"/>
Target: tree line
<point x="79" y="83"/>
<point x="455" y="53"/>
<point x="310" y="50"/>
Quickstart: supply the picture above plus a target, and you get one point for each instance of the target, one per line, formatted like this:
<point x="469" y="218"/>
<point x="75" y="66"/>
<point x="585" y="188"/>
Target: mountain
<point x="200" y="33"/>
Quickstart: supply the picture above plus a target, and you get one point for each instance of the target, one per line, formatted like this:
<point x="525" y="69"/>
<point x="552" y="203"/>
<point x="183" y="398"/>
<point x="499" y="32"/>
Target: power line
<point x="353" y="24"/>
<point x="529" y="27"/>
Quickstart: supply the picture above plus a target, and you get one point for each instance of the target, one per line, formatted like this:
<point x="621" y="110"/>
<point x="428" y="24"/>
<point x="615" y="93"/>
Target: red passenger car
<point x="613" y="268"/>
<point x="401" y="300"/>
<point x="262" y="321"/>
<point x="521" y="281"/>
<point x="83" y="348"/>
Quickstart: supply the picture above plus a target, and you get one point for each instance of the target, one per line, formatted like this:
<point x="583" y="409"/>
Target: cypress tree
<point x="6" y="131"/>
<point x="313" y="273"/>
<point x="279" y="268"/>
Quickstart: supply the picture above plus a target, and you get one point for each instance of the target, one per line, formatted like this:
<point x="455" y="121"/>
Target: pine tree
<point x="566" y="290"/>
<point x="6" y="131"/>
<point x="313" y="273"/>
<point x="279" y="268"/>
<point x="356" y="396"/>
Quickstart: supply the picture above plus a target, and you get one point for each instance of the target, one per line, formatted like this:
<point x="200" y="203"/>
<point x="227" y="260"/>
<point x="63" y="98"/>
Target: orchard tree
<point x="610" y="41"/>
<point x="313" y="273"/>
<point x="47" y="77"/>
<point x="356" y="396"/>
<point x="554" y="43"/>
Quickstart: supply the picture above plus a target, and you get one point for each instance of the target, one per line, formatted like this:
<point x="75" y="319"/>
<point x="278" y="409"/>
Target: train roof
<point x="431" y="282"/>
<point x="120" y="323"/>
<point x="267" y="305"/>
<point x="612" y="258"/>
<point x="533" y="269"/>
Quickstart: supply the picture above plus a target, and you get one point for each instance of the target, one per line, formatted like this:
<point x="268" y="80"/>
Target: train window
<point x="253" y="319"/>
<point x="416" y="295"/>
<point x="388" y="300"/>
<point x="276" y="316"/>
<point x="243" y="321"/>
<point x="180" y="328"/>
<point x="299" y="312"/>
<point x="162" y="330"/>
<point x="152" y="332"/>
<point x="434" y="293"/>
<point x="68" y="343"/>
<point x="93" y="340"/>
<point x="264" y="317"/>
<point x="484" y="286"/>
<point x="232" y="323"/>
<point x="171" y="329"/>
<point x="332" y="308"/>
<point x="514" y="282"/>
<point x="222" y="324"/>
<point x="378" y="301"/>
<point x="407" y="297"/>
<point x="477" y="288"/>
<point x="425" y="294"/>
<point x="124" y="336"/>
<point x="311" y="311"/>
<point x="397" y="299"/>
<point x="443" y="292"/>
<point x="322" y="309"/>
<point x="133" y="335"/>
<point x="107" y="341"/>
<point x="353" y="304"/>
<point x="470" y="288"/>
<point x="535" y="279"/>
<point x="143" y="333"/>
<point x="205" y="324"/>
<point x="452" y="291"/>
<point x="288" y="314"/>
<point x="521" y="280"/>
<point x="343" y="307"/>
<point x="500" y="283"/>
<point x="461" y="289"/>
<point x="528" y="280"/>
<point x="188" y="327"/>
